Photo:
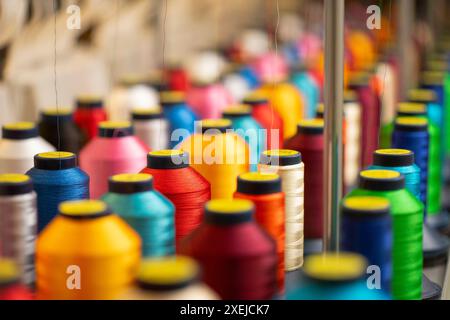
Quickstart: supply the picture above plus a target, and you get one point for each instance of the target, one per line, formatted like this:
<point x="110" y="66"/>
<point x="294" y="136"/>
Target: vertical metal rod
<point x="405" y="18"/>
<point x="333" y="99"/>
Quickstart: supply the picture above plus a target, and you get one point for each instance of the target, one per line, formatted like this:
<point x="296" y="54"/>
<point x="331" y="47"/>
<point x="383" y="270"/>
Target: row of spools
<point x="267" y="207"/>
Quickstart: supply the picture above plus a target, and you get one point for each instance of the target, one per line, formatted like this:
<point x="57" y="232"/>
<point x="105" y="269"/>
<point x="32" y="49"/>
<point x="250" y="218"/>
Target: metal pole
<point x="406" y="16"/>
<point x="333" y="99"/>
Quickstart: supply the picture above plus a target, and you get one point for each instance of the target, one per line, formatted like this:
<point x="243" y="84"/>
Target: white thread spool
<point x="237" y="86"/>
<point x="20" y="143"/>
<point x="151" y="128"/>
<point x="18" y="222"/>
<point x="289" y="166"/>
<point x="169" y="278"/>
<point x="352" y="151"/>
<point x="386" y="75"/>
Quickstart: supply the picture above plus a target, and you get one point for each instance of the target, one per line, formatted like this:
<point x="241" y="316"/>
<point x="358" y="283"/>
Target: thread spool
<point x="151" y="128"/>
<point x="18" y="219"/>
<point x="115" y="150"/>
<point x="208" y="100"/>
<point x="171" y="278"/>
<point x="268" y="118"/>
<point x="310" y="91"/>
<point x="178" y="114"/>
<point x="238" y="258"/>
<point x="435" y="246"/>
<point x="335" y="276"/>
<point x="287" y="101"/>
<point x="20" y="142"/>
<point x="236" y="85"/>
<point x="219" y="155"/>
<point x="57" y="127"/>
<point x="88" y="114"/>
<point x="264" y="190"/>
<point x="367" y="230"/>
<point x="370" y="116"/>
<point x="86" y="238"/>
<point x="148" y="212"/>
<point x="10" y="287"/>
<point x="289" y="166"/>
<point x="182" y="185"/>
<point x="248" y="129"/>
<point x="56" y="178"/>
<point x="352" y="150"/>
<point x="412" y="134"/>
<point x="178" y="79"/>
<point x="309" y="142"/>
<point x="407" y="221"/>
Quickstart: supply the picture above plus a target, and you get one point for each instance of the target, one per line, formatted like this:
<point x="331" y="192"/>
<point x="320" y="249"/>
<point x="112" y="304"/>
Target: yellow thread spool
<point x="219" y="156"/>
<point x="88" y="246"/>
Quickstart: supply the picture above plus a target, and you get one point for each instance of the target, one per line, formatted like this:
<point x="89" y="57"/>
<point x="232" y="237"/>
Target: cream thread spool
<point x="352" y="151"/>
<point x="289" y="166"/>
<point x="151" y="128"/>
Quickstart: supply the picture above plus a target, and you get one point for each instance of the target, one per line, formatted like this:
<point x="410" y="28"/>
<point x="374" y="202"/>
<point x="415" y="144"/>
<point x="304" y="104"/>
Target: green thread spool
<point x="447" y="113"/>
<point x="407" y="218"/>
<point x="434" y="184"/>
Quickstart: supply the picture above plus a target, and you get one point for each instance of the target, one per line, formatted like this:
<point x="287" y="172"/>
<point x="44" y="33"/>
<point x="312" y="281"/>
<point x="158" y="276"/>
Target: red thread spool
<point x="238" y="258"/>
<point x="10" y="288"/>
<point x="370" y="116"/>
<point x="182" y="185"/>
<point x="88" y="114"/>
<point x="115" y="150"/>
<point x="177" y="79"/>
<point x="309" y="142"/>
<point x="264" y="190"/>
<point x="268" y="117"/>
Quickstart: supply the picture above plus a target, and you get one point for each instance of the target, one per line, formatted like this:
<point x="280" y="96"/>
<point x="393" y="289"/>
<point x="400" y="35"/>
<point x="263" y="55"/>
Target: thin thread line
<point x="55" y="84"/>
<point x="163" y="75"/>
<point x="275" y="38"/>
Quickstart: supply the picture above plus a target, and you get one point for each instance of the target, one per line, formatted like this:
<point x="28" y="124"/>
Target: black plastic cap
<point x="89" y="102"/>
<point x="365" y="206"/>
<point x="411" y="124"/>
<point x="146" y="114"/>
<point x="12" y="184"/>
<point x="228" y="212"/>
<point x="55" y="160"/>
<point x="393" y="158"/>
<point x="129" y="183"/>
<point x="168" y="159"/>
<point x="20" y="131"/>
<point x="311" y="126"/>
<point x="282" y="157"/>
<point x="258" y="183"/>
<point x="213" y="126"/>
<point x="381" y="180"/>
<point x="111" y="129"/>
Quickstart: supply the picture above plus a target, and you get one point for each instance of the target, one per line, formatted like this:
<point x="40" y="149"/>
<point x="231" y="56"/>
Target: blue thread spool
<point x="178" y="114"/>
<point x="309" y="90"/>
<point x="249" y="129"/>
<point x="335" y="276"/>
<point x="411" y="133"/>
<point x="367" y="230"/>
<point x="146" y="210"/>
<point x="250" y="76"/>
<point x="56" y="178"/>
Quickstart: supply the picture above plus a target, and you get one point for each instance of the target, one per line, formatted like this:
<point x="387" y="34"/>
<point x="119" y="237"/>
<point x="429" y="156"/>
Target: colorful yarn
<point x="289" y="166"/>
<point x="171" y="278"/>
<point x="147" y="211"/>
<point x="208" y="101"/>
<point x="219" y="155"/>
<point x="18" y="223"/>
<point x="56" y="178"/>
<point x="309" y="89"/>
<point x="57" y="127"/>
<point x="88" y="114"/>
<point x="182" y="185"/>
<point x="367" y="230"/>
<point x="151" y="128"/>
<point x="309" y="142"/>
<point x="20" y="142"/>
<point x="264" y="190"/>
<point x="178" y="115"/>
<point x="115" y="150"/>
<point x="238" y="258"/>
<point x="248" y="129"/>
<point x="407" y="216"/>
<point x="86" y="253"/>
<point x="335" y="276"/>
<point x="268" y="118"/>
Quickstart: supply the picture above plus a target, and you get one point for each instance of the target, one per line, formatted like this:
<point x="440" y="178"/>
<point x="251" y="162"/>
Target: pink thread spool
<point x="115" y="150"/>
<point x="270" y="67"/>
<point x="209" y="100"/>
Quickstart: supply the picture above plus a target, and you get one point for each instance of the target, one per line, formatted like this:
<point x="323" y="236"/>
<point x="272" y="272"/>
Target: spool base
<point x="435" y="245"/>
<point x="430" y="290"/>
<point x="439" y="221"/>
<point x="312" y="246"/>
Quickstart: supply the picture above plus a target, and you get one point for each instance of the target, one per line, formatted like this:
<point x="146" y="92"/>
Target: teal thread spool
<point x="407" y="218"/>
<point x="147" y="211"/>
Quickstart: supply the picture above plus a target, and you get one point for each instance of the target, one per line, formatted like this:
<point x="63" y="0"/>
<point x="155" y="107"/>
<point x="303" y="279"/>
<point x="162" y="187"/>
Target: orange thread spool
<point x="265" y="192"/>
